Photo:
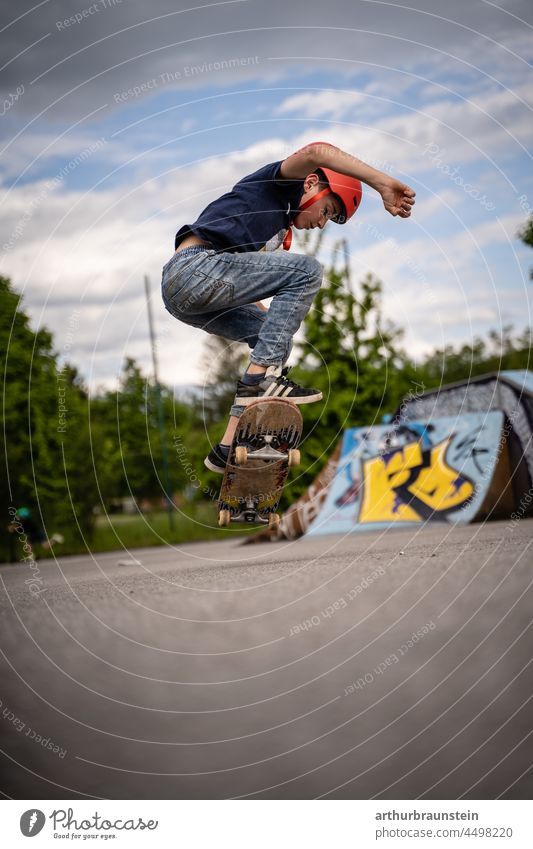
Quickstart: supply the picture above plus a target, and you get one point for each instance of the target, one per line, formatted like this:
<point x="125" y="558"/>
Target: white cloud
<point x="488" y="126"/>
<point x="495" y="125"/>
<point x="317" y="104"/>
<point x="444" y="291"/>
<point x="81" y="68"/>
<point x="89" y="251"/>
<point x="68" y="150"/>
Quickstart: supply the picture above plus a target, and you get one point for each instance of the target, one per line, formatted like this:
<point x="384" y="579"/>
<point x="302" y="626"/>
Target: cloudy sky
<point x="121" y="120"/>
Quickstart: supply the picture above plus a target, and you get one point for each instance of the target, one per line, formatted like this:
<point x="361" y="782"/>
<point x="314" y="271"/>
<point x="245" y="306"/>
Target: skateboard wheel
<point x="241" y="455"/>
<point x="294" y="457"/>
<point x="274" y="520"/>
<point x="224" y="518"/>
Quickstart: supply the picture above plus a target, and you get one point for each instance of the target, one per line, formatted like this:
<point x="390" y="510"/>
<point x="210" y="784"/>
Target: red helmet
<point x="348" y="190"/>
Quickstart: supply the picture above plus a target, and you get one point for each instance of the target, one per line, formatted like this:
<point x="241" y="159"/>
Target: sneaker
<point x="275" y="384"/>
<point x="216" y="460"/>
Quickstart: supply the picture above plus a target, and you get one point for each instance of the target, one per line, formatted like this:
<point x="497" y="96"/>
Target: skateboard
<point x="265" y="446"/>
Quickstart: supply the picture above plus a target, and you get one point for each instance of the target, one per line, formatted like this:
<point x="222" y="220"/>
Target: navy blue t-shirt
<point x="254" y="216"/>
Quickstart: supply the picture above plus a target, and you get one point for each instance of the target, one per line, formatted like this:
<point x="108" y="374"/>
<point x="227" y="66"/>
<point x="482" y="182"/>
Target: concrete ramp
<point x="509" y="391"/>
<point x="453" y="469"/>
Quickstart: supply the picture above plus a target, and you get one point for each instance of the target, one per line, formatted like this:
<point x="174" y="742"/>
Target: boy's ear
<point x="311" y="180"/>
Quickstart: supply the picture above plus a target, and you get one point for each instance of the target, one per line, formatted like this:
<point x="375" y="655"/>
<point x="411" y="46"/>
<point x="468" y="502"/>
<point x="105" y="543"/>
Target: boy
<point x="224" y="265"/>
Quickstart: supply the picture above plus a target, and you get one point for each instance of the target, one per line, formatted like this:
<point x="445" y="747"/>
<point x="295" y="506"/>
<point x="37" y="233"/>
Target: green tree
<point x="128" y="419"/>
<point x="223" y="363"/>
<point x="132" y="429"/>
<point x="352" y="355"/>
<point x="46" y="451"/>
<point x="28" y="367"/>
<point x="81" y="451"/>
<point x="501" y="350"/>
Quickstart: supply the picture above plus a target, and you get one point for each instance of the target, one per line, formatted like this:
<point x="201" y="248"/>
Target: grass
<point x="194" y="523"/>
<point x="140" y="530"/>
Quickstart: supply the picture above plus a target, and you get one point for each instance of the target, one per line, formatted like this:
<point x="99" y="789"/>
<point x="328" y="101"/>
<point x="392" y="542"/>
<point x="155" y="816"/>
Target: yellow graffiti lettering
<point x="381" y="474"/>
<point x="440" y="486"/>
<point x="437" y="485"/>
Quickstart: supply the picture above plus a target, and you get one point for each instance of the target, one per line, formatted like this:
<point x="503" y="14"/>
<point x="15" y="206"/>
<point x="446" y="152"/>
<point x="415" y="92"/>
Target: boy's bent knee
<point x="315" y="272"/>
<point x="313" y="267"/>
<point x="309" y="271"/>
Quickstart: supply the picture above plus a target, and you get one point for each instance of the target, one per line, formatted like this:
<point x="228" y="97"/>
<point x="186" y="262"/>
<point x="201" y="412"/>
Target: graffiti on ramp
<point x="439" y="470"/>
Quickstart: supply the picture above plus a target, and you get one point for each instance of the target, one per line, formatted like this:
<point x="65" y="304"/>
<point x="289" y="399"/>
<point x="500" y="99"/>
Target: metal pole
<point x="160" y="412"/>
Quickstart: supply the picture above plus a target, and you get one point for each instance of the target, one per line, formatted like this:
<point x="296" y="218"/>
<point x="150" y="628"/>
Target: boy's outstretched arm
<point x="398" y="198"/>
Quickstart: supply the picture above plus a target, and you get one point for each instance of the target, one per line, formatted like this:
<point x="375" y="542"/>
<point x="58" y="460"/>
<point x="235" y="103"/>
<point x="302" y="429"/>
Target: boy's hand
<point x="398" y="198"/>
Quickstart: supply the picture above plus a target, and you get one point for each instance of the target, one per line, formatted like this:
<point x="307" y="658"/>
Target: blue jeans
<point x="217" y="291"/>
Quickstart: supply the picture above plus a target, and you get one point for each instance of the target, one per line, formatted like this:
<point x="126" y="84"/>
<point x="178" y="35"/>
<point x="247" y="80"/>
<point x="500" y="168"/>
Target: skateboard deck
<point x="265" y="446"/>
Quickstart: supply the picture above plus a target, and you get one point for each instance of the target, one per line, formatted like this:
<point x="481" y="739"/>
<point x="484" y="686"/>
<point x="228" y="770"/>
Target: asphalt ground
<point x="395" y="665"/>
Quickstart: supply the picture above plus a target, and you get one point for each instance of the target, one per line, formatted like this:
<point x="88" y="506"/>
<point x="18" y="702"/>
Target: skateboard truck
<point x="267" y="452"/>
<point x="247" y="515"/>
